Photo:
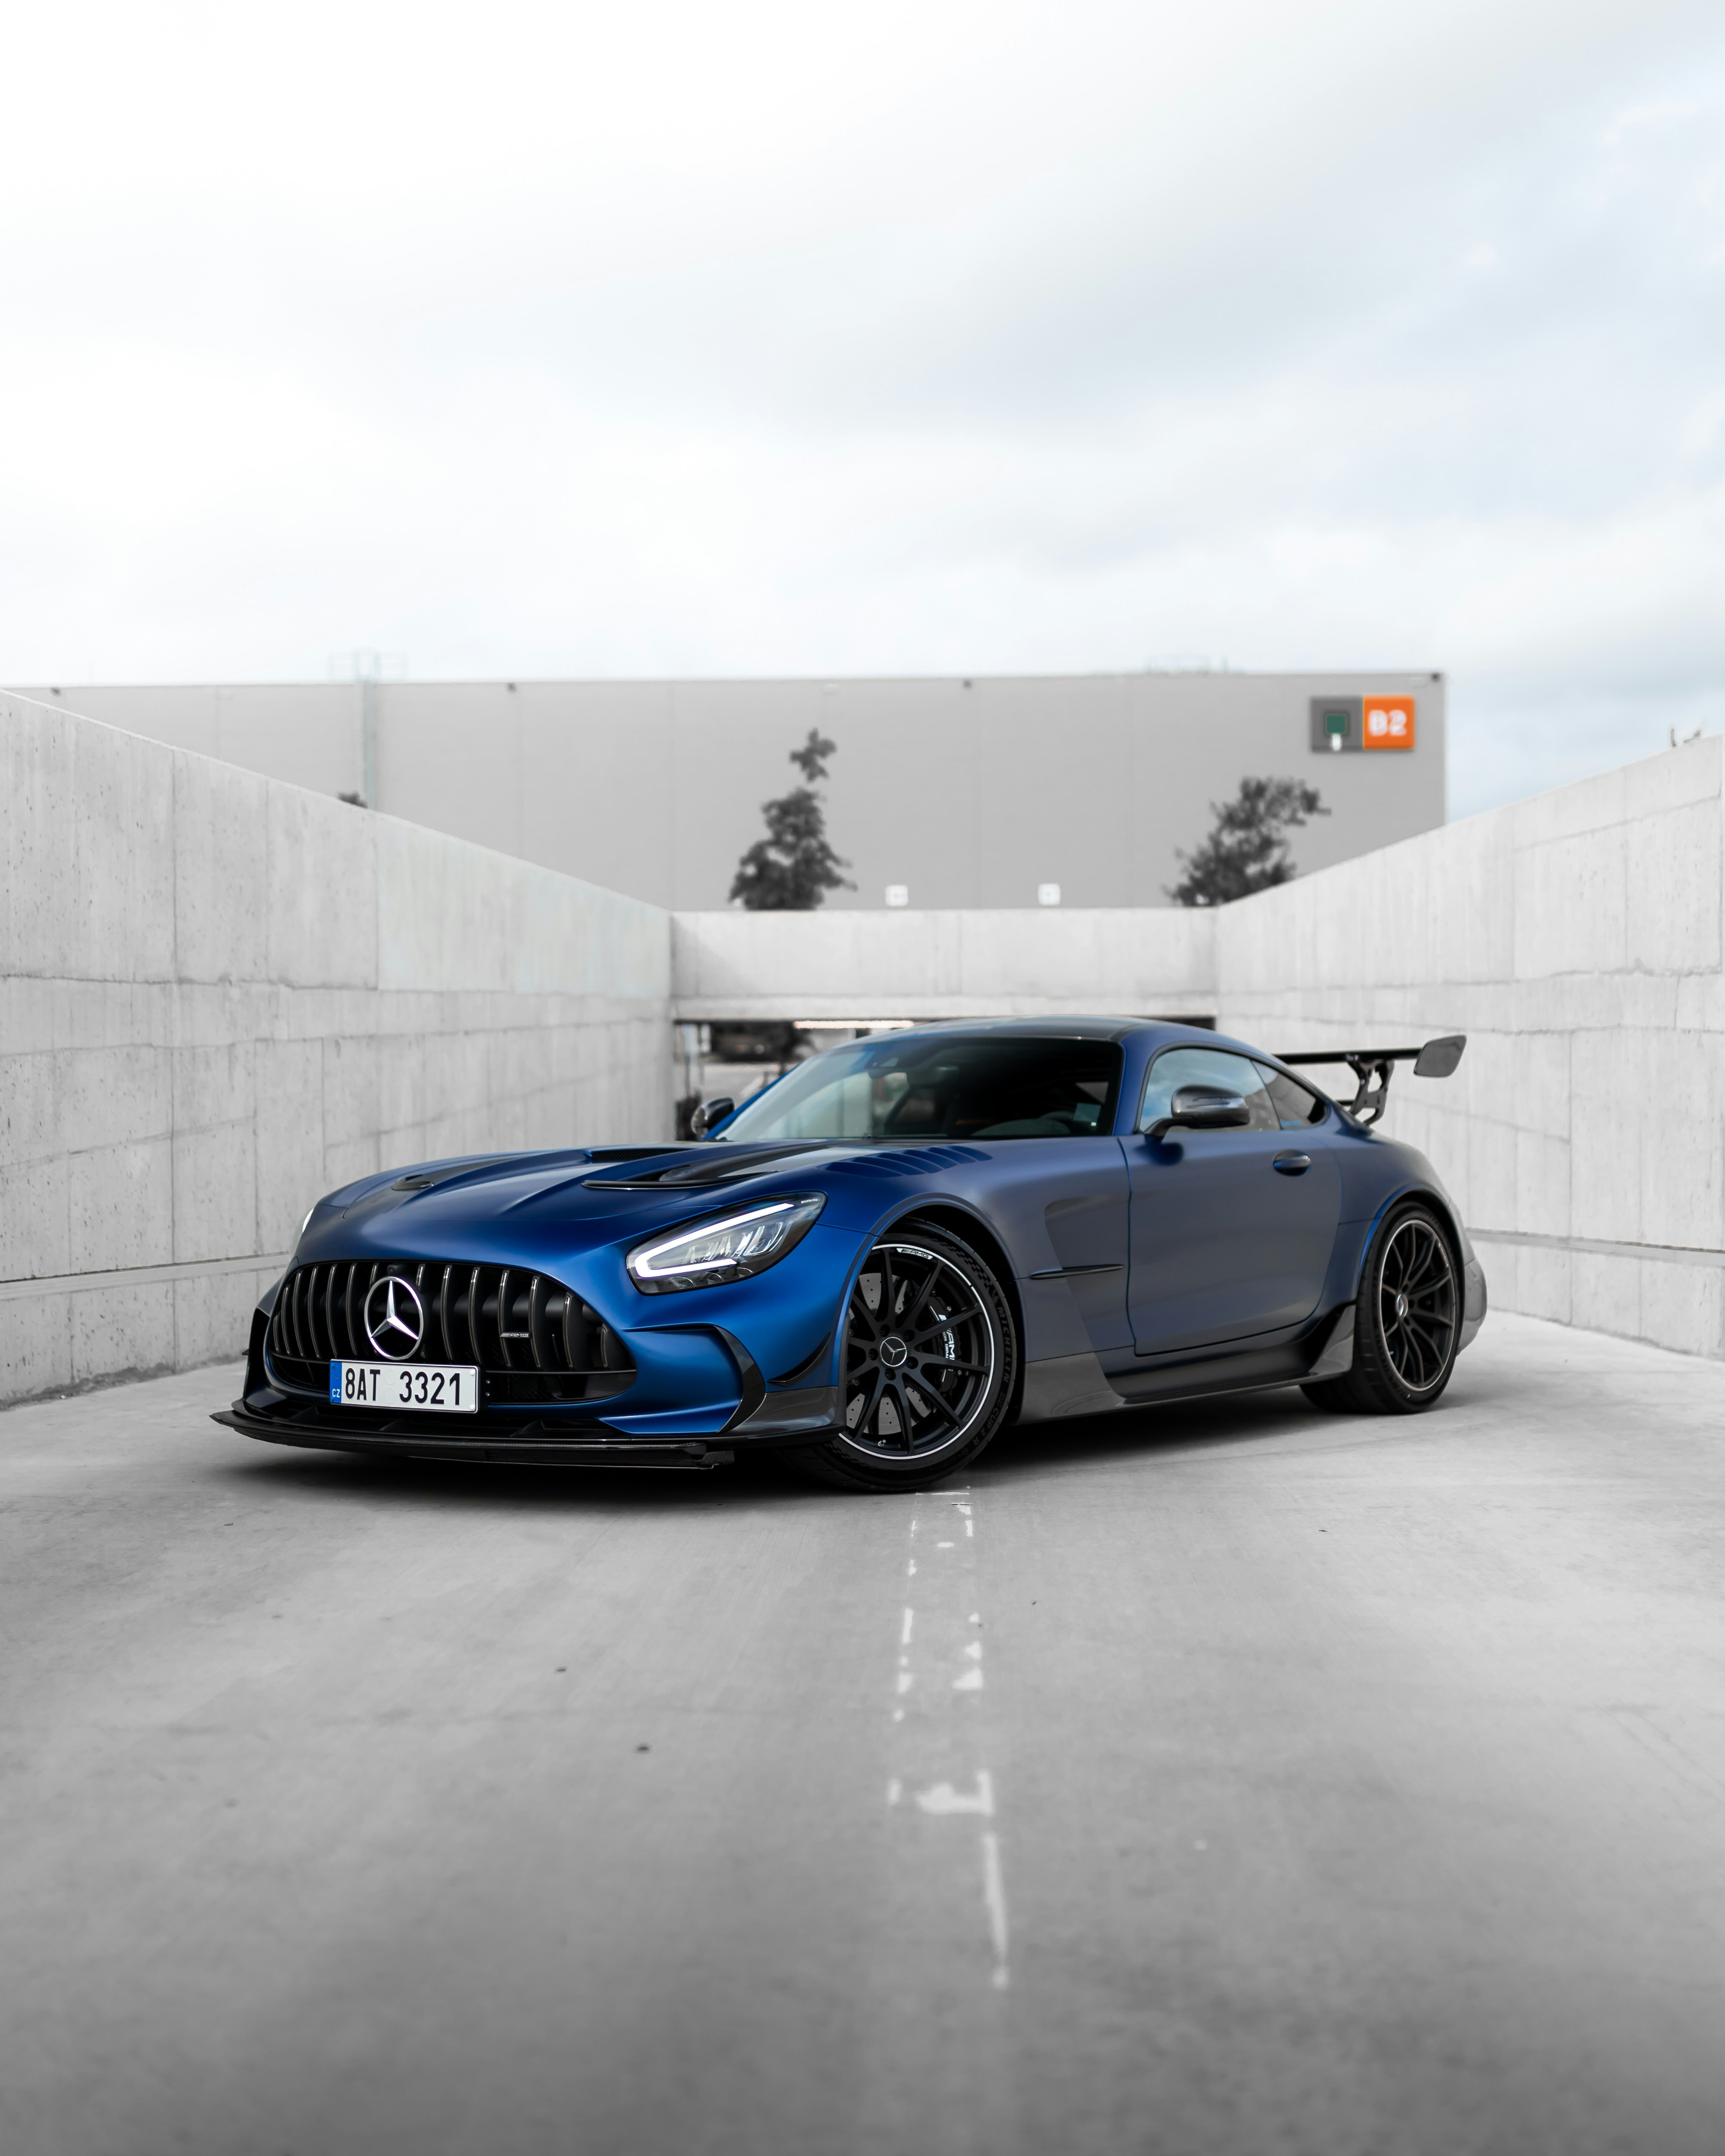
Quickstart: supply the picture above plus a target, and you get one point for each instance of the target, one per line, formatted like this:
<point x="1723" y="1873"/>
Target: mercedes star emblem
<point x="395" y="1317"/>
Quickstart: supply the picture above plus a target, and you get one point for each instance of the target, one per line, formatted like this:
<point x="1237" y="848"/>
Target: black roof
<point x="1054" y="1029"/>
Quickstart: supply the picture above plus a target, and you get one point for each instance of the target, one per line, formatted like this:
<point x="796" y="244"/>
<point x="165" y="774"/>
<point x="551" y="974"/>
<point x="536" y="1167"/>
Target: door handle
<point x="1292" y="1163"/>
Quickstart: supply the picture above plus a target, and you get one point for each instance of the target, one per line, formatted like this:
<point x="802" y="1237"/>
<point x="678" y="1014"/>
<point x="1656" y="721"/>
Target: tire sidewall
<point x="857" y="1464"/>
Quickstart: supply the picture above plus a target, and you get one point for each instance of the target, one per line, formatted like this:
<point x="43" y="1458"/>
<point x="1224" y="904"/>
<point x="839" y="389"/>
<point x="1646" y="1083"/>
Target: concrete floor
<point x="1229" y="1779"/>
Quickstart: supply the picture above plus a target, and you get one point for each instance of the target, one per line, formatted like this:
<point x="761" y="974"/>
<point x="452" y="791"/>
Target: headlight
<point x="713" y="1252"/>
<point x="304" y="1225"/>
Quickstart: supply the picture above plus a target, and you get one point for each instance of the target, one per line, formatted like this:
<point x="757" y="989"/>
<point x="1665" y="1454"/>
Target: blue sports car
<point x="882" y="1259"/>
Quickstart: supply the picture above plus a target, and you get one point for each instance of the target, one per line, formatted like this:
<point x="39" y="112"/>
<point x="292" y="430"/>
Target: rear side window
<point x="1175" y="1067"/>
<point x="1295" y="1105"/>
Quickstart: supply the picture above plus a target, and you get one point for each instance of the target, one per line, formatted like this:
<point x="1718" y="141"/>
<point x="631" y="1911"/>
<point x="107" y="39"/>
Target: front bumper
<point x="753" y="1364"/>
<point x="747" y="1409"/>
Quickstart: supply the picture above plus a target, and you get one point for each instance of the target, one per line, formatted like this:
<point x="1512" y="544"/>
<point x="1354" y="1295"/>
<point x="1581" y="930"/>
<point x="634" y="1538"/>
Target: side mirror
<point x="1202" y="1108"/>
<point x="711" y="1112"/>
<point x="1439" y="1058"/>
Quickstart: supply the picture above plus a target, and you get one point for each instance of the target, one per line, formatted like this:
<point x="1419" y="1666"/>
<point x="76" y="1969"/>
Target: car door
<point x="1231" y="1231"/>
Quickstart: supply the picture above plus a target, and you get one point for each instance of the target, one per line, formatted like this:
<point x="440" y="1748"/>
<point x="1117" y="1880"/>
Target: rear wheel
<point x="930" y="1360"/>
<point x="1407" y="1320"/>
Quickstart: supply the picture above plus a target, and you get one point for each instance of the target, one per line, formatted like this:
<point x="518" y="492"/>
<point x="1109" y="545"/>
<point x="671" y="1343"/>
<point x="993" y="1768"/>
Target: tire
<point x="1407" y="1320"/>
<point x="912" y="1422"/>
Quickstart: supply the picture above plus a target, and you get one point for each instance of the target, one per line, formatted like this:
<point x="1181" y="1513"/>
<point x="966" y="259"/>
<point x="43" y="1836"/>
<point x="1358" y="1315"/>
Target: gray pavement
<point x="1229" y="1778"/>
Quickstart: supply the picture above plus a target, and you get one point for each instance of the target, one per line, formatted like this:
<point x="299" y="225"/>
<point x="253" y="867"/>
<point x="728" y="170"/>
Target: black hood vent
<point x="717" y="1162"/>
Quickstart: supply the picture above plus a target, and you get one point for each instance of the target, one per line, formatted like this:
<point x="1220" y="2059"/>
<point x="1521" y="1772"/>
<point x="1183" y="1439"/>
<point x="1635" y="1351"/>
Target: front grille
<point x="535" y="1340"/>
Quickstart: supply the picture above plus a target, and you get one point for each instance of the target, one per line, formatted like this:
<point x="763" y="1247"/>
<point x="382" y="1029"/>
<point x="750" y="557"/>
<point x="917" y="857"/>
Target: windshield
<point x="916" y="1086"/>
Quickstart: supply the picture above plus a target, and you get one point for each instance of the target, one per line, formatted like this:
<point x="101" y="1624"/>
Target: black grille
<point x="535" y="1339"/>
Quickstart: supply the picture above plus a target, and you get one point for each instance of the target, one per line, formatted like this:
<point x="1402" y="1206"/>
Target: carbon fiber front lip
<point x="516" y="1446"/>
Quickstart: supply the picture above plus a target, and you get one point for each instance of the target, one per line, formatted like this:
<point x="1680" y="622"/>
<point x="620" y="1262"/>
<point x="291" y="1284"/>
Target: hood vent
<point x="428" y="1178"/>
<point x="716" y="1162"/>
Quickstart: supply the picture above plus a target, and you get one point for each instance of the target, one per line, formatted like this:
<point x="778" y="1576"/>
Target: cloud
<point x="982" y="338"/>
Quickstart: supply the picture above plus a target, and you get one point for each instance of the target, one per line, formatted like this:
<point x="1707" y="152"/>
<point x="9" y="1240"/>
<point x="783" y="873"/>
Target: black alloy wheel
<point x="1416" y="1303"/>
<point x="1407" y="1319"/>
<point x="930" y="1360"/>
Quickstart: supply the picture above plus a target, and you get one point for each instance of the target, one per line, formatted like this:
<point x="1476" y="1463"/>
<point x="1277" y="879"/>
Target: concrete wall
<point x="1576" y="939"/>
<point x="221" y="995"/>
<point x="970" y="792"/>
<point x="849" y="968"/>
<point x="309" y="733"/>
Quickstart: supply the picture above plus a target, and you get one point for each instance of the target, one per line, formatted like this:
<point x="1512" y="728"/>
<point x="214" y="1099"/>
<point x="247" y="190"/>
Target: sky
<point x="539" y="341"/>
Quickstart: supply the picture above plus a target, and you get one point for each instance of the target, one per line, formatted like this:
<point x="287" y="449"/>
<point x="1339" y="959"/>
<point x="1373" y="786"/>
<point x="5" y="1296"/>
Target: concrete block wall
<point x="850" y="967"/>
<point x="1576" y="940"/>
<point x="221" y="995"/>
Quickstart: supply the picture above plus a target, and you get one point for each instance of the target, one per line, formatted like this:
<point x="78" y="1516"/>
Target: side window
<point x="1295" y="1106"/>
<point x="1205" y="1066"/>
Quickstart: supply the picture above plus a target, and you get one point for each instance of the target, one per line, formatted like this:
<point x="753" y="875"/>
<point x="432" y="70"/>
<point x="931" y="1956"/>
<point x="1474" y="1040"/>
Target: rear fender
<point x="1473" y="1275"/>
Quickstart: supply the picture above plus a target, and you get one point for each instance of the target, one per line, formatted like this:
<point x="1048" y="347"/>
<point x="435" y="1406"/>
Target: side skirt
<point x="1225" y="1374"/>
<point x="1336" y="1359"/>
<point x="1078" y="1385"/>
<point x="1065" y="1385"/>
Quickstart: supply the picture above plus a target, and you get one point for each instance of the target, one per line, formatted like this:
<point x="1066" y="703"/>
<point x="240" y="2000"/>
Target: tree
<point x="792" y="870"/>
<point x="1247" y="849"/>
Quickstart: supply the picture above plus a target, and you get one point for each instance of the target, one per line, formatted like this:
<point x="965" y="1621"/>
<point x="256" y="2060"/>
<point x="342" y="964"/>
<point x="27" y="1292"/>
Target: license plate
<point x="426" y="1388"/>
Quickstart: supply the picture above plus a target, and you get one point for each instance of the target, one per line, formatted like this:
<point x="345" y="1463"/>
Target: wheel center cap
<point x="1401" y="1306"/>
<point x="893" y="1352"/>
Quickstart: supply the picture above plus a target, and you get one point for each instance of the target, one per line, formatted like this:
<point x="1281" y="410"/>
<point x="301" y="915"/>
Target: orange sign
<point x="1387" y="721"/>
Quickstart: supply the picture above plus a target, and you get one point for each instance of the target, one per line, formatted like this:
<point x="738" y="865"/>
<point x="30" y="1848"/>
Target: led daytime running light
<point x="708" y="1253"/>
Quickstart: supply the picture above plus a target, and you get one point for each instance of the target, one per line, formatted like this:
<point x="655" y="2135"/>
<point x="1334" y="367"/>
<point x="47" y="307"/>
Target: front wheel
<point x="931" y="1358"/>
<point x="1407" y="1320"/>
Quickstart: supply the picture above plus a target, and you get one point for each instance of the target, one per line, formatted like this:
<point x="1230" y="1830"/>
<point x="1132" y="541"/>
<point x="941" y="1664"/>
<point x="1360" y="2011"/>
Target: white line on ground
<point x="933" y="1730"/>
<point x="943" y="1800"/>
<point x="995" y="1902"/>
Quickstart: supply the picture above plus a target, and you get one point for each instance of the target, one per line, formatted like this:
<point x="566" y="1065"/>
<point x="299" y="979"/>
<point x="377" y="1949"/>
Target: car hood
<point x="532" y="1207"/>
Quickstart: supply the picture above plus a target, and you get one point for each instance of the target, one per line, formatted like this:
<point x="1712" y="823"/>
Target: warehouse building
<point x="960" y="792"/>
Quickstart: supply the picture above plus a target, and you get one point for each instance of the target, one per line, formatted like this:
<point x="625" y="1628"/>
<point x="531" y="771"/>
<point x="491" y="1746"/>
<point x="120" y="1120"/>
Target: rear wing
<point x="1372" y="1067"/>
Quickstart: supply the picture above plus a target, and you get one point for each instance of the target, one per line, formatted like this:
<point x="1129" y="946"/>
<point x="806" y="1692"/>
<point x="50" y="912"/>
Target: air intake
<point x="535" y="1339"/>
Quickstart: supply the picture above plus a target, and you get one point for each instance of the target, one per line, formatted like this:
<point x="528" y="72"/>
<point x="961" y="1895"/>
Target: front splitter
<point x="518" y="1450"/>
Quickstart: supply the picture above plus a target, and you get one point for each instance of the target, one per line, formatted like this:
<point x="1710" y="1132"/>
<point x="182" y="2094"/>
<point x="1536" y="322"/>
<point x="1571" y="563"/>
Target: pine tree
<point x="792" y="870"/>
<point x="1247" y="847"/>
